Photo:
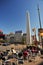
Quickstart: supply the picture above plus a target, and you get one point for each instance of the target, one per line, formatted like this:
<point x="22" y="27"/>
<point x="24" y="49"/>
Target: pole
<point x="39" y="16"/>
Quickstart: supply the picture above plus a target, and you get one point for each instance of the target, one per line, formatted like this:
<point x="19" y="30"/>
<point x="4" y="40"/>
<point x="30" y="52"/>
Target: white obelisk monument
<point x="28" y="30"/>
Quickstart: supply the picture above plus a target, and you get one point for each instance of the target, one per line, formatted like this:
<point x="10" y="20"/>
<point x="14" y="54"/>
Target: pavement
<point x="37" y="61"/>
<point x="4" y="48"/>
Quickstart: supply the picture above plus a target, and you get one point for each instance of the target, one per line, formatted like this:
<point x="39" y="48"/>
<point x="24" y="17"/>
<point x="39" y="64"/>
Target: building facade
<point x="10" y="37"/>
<point x="18" y="36"/>
<point x="2" y="36"/>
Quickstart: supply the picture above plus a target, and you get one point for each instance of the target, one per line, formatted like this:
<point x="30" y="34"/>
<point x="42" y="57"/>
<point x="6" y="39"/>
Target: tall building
<point x="18" y="36"/>
<point x="28" y="38"/>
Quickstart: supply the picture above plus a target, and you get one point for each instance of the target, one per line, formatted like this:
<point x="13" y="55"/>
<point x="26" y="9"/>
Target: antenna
<point x="39" y="16"/>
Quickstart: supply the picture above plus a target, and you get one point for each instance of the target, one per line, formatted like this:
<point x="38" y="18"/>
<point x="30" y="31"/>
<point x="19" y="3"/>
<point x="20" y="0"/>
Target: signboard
<point x="40" y="32"/>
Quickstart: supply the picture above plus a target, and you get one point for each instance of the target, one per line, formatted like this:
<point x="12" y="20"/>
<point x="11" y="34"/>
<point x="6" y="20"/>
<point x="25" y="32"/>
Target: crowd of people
<point x="27" y="53"/>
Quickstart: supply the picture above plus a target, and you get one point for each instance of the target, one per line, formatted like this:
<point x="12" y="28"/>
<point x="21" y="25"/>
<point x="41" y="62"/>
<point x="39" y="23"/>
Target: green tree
<point x="23" y="40"/>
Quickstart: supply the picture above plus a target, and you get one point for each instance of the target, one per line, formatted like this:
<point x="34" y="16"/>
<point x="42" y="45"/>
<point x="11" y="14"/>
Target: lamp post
<point x="34" y="30"/>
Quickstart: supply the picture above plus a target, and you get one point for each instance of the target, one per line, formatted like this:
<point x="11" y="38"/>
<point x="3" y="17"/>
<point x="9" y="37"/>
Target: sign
<point x="40" y="32"/>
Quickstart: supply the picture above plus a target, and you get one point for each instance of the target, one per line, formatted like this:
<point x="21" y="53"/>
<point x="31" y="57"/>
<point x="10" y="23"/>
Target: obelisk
<point x="28" y="30"/>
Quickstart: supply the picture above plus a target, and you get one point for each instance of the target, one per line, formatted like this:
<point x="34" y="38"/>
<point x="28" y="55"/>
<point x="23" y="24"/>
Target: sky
<point x="13" y="15"/>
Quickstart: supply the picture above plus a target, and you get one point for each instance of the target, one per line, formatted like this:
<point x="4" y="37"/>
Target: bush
<point x="3" y="41"/>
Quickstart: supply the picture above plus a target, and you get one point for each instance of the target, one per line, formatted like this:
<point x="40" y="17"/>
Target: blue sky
<point x="13" y="14"/>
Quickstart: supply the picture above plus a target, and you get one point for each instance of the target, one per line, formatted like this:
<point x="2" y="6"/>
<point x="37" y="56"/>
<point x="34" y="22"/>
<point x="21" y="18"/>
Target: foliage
<point x="3" y="41"/>
<point x="23" y="40"/>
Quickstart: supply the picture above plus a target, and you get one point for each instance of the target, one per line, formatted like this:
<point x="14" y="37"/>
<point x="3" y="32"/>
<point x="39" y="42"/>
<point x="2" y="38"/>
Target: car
<point x="4" y="44"/>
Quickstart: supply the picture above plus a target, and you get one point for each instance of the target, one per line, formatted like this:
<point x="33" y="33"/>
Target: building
<point x="2" y="36"/>
<point x="14" y="37"/>
<point x="18" y="36"/>
<point x="10" y="37"/>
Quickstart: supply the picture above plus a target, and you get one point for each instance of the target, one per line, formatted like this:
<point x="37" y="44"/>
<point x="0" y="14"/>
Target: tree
<point x="23" y="40"/>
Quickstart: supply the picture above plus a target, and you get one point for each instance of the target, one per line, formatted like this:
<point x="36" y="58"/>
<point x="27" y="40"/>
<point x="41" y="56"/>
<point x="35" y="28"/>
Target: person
<point x="25" y="55"/>
<point x="33" y="53"/>
<point x="20" y="54"/>
<point x="39" y="53"/>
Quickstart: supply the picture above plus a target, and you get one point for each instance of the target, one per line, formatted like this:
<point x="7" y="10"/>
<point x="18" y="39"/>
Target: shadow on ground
<point x="41" y="63"/>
